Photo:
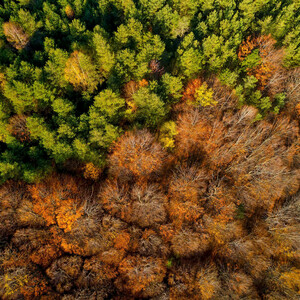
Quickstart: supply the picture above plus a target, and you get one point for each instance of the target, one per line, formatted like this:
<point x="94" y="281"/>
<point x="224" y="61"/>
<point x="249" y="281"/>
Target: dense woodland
<point x="149" y="149"/>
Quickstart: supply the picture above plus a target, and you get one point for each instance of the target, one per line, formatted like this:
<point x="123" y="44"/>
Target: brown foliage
<point x="137" y="273"/>
<point x="17" y="127"/>
<point x="192" y="131"/>
<point x="10" y="196"/>
<point x="193" y="282"/>
<point x="143" y="205"/>
<point x="156" y="68"/>
<point x="15" y="35"/>
<point x="218" y="218"/>
<point x="148" y="207"/>
<point x="187" y="243"/>
<point x="64" y="271"/>
<point x="137" y="155"/>
<point x="97" y="275"/>
<point x="271" y="58"/>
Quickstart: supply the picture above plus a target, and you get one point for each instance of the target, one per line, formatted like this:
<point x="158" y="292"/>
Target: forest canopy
<point x="149" y="149"/>
<point x="75" y="75"/>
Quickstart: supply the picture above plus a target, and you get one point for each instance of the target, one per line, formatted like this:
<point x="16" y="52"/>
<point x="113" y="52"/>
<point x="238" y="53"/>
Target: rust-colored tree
<point x="56" y="200"/>
<point x="137" y="156"/>
<point x="138" y="273"/>
<point x="17" y="127"/>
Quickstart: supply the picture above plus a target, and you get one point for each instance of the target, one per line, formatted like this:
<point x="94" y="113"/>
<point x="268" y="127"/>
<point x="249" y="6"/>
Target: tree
<point x="54" y="201"/>
<point x="172" y="87"/>
<point x="105" y="56"/>
<point x="186" y="187"/>
<point x="192" y="131"/>
<point x="55" y="67"/>
<point x="148" y="206"/>
<point x="63" y="271"/>
<point x="150" y="108"/>
<point x="186" y="243"/>
<point x="81" y="72"/>
<point x="137" y="155"/>
<point x="109" y="105"/>
<point x="189" y="57"/>
<point x="17" y="127"/>
<point x="260" y="58"/>
<point x="69" y="12"/>
<point x="137" y="273"/>
<point x="167" y="134"/>
<point x="15" y="35"/>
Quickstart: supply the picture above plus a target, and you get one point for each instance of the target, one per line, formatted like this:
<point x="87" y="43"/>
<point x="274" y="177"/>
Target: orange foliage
<point x="69" y="12"/>
<point x="207" y="221"/>
<point x="194" y="282"/>
<point x="91" y="171"/>
<point x="187" y="243"/>
<point x="55" y="201"/>
<point x="148" y="206"/>
<point x="35" y="288"/>
<point x="137" y="155"/>
<point x="133" y="86"/>
<point x="122" y="240"/>
<point x="192" y="132"/>
<point x="115" y="199"/>
<point x="187" y="186"/>
<point x="45" y="255"/>
<point x="112" y="256"/>
<point x="140" y="272"/>
<point x="190" y="90"/>
<point x="270" y="58"/>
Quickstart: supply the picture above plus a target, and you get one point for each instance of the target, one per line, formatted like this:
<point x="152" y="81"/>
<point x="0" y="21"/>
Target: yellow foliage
<point x="13" y="283"/>
<point x="91" y="171"/>
<point x="81" y="72"/>
<point x="204" y="96"/>
<point x="292" y="279"/>
<point x="69" y="12"/>
<point x="2" y="81"/>
<point x="15" y="35"/>
<point x="167" y="133"/>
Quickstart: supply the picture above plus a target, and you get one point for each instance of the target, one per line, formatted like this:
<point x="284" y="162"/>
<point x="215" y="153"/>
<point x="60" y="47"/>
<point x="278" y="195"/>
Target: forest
<point x="149" y="149"/>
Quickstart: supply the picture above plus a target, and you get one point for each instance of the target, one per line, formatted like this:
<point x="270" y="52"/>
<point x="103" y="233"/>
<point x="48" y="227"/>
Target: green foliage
<point x="252" y="60"/>
<point x="150" y="110"/>
<point x="190" y="58"/>
<point x="109" y="105"/>
<point x="105" y="57"/>
<point x="64" y="66"/>
<point x="172" y="87"/>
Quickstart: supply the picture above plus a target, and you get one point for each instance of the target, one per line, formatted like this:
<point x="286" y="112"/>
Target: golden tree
<point x="81" y="72"/>
<point x="15" y="35"/>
